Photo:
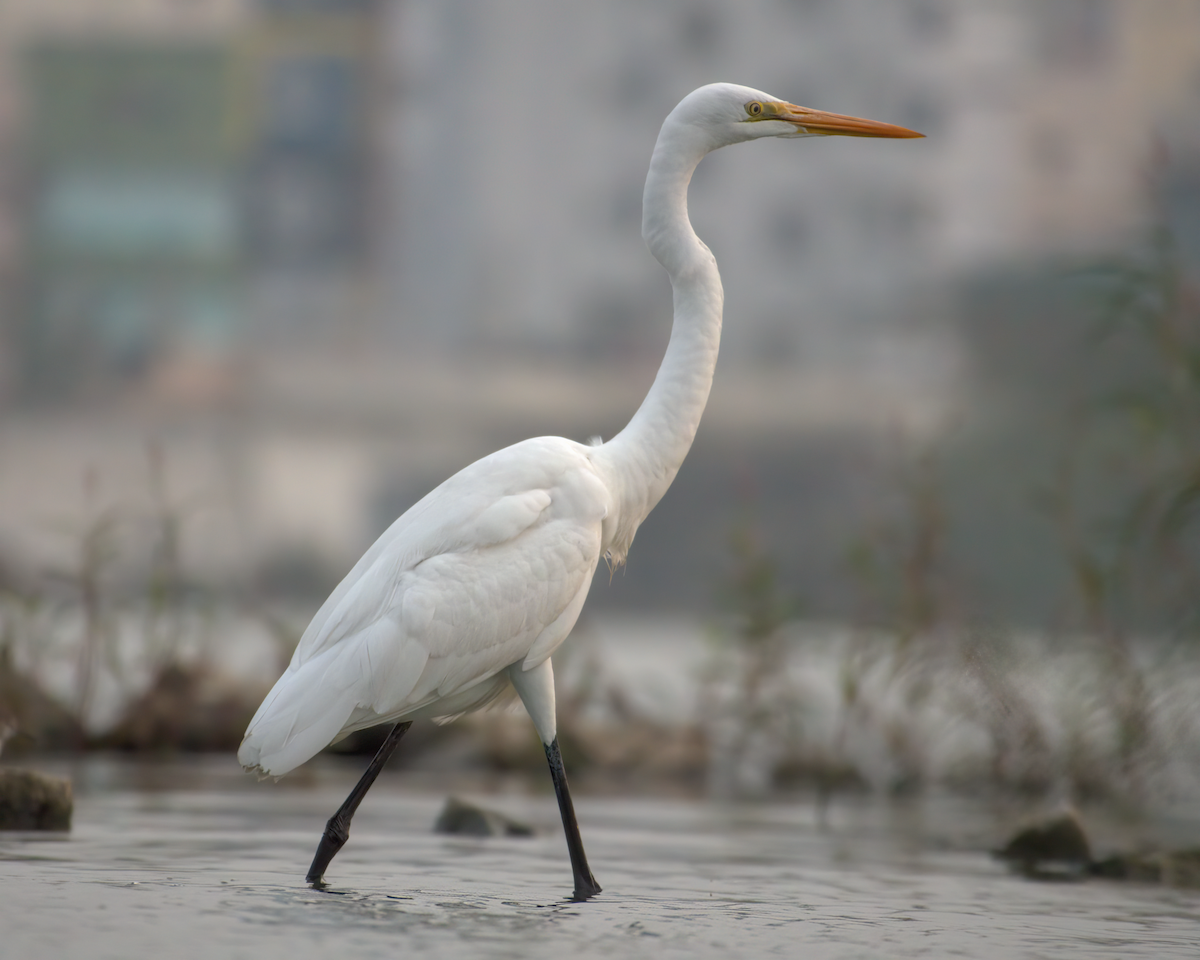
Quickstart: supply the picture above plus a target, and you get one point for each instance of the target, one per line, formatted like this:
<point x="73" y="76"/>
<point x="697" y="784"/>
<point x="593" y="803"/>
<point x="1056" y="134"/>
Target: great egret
<point x="475" y="586"/>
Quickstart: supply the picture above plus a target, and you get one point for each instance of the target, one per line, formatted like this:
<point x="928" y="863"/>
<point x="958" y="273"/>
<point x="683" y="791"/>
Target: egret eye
<point x="754" y="108"/>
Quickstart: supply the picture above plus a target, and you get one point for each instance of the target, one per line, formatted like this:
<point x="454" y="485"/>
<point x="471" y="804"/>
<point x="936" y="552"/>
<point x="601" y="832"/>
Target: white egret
<point x="474" y="587"/>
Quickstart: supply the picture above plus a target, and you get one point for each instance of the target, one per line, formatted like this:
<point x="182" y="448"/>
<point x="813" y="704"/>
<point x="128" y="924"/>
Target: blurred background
<point x="272" y="269"/>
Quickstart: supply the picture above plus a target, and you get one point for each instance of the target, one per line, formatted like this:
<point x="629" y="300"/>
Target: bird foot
<point x="585" y="889"/>
<point x="332" y="840"/>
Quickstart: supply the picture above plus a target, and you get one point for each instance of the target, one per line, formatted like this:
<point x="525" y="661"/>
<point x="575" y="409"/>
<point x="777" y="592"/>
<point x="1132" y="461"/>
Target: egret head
<point x="728" y="113"/>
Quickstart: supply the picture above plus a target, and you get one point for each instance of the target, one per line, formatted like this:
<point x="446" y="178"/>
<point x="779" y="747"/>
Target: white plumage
<point x="477" y="585"/>
<point x="488" y="570"/>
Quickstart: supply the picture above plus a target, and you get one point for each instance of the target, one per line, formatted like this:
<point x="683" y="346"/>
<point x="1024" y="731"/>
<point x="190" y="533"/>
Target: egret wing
<point x="449" y="596"/>
<point x="484" y="504"/>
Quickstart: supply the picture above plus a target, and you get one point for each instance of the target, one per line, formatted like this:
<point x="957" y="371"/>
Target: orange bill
<point x="834" y="124"/>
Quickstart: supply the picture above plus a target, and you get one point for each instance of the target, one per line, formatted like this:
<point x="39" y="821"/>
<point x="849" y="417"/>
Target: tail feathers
<point x="302" y="714"/>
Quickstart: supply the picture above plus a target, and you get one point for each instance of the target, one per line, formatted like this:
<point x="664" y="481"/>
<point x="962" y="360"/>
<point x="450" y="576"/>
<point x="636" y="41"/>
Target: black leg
<point x="585" y="884"/>
<point x="337" y="830"/>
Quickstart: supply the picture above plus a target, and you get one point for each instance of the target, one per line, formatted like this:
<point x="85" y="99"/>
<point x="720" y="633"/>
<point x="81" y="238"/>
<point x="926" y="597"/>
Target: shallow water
<point x="213" y="867"/>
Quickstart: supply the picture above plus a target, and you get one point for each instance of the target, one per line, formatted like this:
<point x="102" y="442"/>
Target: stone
<point x="1173" y="868"/>
<point x="1054" y="848"/>
<point x="467" y="819"/>
<point x="34" y="801"/>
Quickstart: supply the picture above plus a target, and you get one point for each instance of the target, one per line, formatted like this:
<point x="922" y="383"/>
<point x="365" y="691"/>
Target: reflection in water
<point x="214" y="867"/>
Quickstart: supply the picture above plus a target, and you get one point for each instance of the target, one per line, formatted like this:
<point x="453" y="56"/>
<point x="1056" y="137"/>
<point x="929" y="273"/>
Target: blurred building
<point x="173" y="166"/>
<point x="461" y="173"/>
<point x="133" y="239"/>
<point x="520" y="176"/>
<point x="326" y="250"/>
<point x="313" y="208"/>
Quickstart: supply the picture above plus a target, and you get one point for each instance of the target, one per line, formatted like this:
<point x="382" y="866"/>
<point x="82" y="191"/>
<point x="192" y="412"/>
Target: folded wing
<point x="488" y="570"/>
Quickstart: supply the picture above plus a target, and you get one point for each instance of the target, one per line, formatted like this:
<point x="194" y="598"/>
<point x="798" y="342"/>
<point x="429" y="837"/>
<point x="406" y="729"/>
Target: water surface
<point x="199" y="861"/>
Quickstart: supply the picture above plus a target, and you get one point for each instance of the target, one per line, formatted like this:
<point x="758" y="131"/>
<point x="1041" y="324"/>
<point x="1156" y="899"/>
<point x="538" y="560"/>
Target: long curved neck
<point x="646" y="455"/>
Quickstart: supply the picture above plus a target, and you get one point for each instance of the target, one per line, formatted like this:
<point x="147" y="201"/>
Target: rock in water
<point x="34" y="801"/>
<point x="1055" y="848"/>
<point x="1174" y="868"/>
<point x="466" y="819"/>
<point x="1058" y="849"/>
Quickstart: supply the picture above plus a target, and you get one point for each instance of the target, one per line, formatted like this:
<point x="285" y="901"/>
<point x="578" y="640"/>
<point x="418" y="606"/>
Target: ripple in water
<point x="217" y="871"/>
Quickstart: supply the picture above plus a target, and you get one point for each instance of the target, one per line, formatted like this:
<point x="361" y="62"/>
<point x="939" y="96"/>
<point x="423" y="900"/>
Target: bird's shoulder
<point x="488" y="504"/>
